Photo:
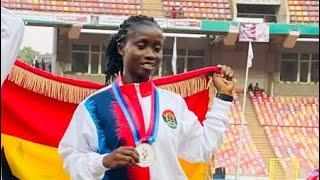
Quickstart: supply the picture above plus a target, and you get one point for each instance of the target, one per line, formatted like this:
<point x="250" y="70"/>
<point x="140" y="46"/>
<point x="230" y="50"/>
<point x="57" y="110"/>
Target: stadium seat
<point x="251" y="162"/>
<point x="299" y="142"/>
<point x="286" y="111"/>
<point x="117" y="7"/>
<point x="303" y="11"/>
<point x="201" y="9"/>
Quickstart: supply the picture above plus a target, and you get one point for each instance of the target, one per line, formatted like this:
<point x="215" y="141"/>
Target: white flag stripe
<point x="174" y="56"/>
<point x="250" y="55"/>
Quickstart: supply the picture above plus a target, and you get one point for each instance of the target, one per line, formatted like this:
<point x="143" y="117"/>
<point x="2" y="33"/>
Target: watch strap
<point x="224" y="97"/>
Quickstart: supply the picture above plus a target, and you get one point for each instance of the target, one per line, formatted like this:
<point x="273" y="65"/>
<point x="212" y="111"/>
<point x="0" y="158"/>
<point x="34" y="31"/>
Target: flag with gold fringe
<point x="36" y="108"/>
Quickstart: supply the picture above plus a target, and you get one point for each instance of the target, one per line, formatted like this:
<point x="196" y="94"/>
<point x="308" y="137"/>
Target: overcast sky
<point x="39" y="38"/>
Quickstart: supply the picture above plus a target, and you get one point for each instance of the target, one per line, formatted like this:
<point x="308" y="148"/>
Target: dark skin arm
<point x="120" y="157"/>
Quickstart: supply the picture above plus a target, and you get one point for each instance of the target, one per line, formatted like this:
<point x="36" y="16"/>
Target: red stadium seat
<point x="206" y="8"/>
<point x="300" y="142"/>
<point x="83" y="6"/>
<point x="210" y="16"/>
<point x="303" y="11"/>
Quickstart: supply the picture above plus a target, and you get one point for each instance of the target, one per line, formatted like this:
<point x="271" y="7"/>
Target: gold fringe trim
<point x="51" y="88"/>
<point x="191" y="86"/>
<point x="75" y="94"/>
<point x="187" y="87"/>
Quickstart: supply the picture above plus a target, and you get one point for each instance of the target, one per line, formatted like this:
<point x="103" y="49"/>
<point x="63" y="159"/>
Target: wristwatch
<point x="224" y="97"/>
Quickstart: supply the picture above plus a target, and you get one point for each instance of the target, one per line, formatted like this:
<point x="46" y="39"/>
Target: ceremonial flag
<point x="250" y="55"/>
<point x="36" y="108"/>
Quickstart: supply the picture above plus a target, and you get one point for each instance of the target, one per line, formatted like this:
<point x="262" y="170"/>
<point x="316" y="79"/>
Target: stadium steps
<point x="152" y="8"/>
<point x="259" y="136"/>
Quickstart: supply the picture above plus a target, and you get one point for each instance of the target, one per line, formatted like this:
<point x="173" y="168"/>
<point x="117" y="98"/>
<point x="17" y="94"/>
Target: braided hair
<point x="115" y="61"/>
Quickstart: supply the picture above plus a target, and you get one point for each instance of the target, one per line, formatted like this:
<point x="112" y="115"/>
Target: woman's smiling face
<point x="141" y="52"/>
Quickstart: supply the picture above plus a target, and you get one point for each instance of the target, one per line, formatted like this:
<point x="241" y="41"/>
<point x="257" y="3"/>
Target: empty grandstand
<point x="292" y="127"/>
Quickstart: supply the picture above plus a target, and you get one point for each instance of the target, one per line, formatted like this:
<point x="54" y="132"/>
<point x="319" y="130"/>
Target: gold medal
<point x="146" y="154"/>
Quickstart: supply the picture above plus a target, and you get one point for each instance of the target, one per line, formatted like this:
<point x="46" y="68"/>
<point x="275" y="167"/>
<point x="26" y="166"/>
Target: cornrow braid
<point x="115" y="61"/>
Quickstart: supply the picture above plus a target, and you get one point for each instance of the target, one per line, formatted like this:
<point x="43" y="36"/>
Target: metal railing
<point x="265" y="17"/>
<point x="291" y="172"/>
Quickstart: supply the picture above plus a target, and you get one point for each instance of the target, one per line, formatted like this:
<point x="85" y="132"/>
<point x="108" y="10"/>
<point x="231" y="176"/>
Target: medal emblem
<point x="145" y="150"/>
<point x="170" y="119"/>
<point x="146" y="154"/>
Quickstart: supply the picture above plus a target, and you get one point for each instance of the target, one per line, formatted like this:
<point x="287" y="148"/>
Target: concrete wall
<point x="236" y="58"/>
<point x="64" y="54"/>
<point x="283" y="12"/>
<point x="191" y="43"/>
<point x="87" y="77"/>
<point x="295" y="89"/>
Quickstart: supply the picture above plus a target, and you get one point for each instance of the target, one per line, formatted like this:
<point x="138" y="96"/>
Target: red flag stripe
<point x="33" y="116"/>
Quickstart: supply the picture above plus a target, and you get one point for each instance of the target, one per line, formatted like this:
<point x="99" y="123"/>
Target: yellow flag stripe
<point x="29" y="161"/>
<point x="195" y="171"/>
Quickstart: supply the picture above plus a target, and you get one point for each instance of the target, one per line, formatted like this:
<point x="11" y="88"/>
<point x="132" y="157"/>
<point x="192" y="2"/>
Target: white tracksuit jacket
<point x="189" y="140"/>
<point x="12" y="31"/>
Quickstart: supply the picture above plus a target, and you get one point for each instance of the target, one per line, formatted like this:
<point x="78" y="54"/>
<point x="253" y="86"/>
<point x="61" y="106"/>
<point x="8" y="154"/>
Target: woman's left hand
<point x="224" y="82"/>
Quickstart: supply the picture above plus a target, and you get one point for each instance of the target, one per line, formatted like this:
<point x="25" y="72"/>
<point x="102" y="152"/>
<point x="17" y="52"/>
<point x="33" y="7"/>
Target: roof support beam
<point x="74" y="31"/>
<point x="291" y="39"/>
<point x="232" y="36"/>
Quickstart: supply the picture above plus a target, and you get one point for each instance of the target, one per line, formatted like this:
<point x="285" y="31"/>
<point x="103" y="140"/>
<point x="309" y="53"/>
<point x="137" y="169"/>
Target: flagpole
<point x="243" y="117"/>
<point x="174" y="56"/>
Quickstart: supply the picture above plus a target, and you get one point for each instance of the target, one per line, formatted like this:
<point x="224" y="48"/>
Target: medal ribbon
<point x="154" y="121"/>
